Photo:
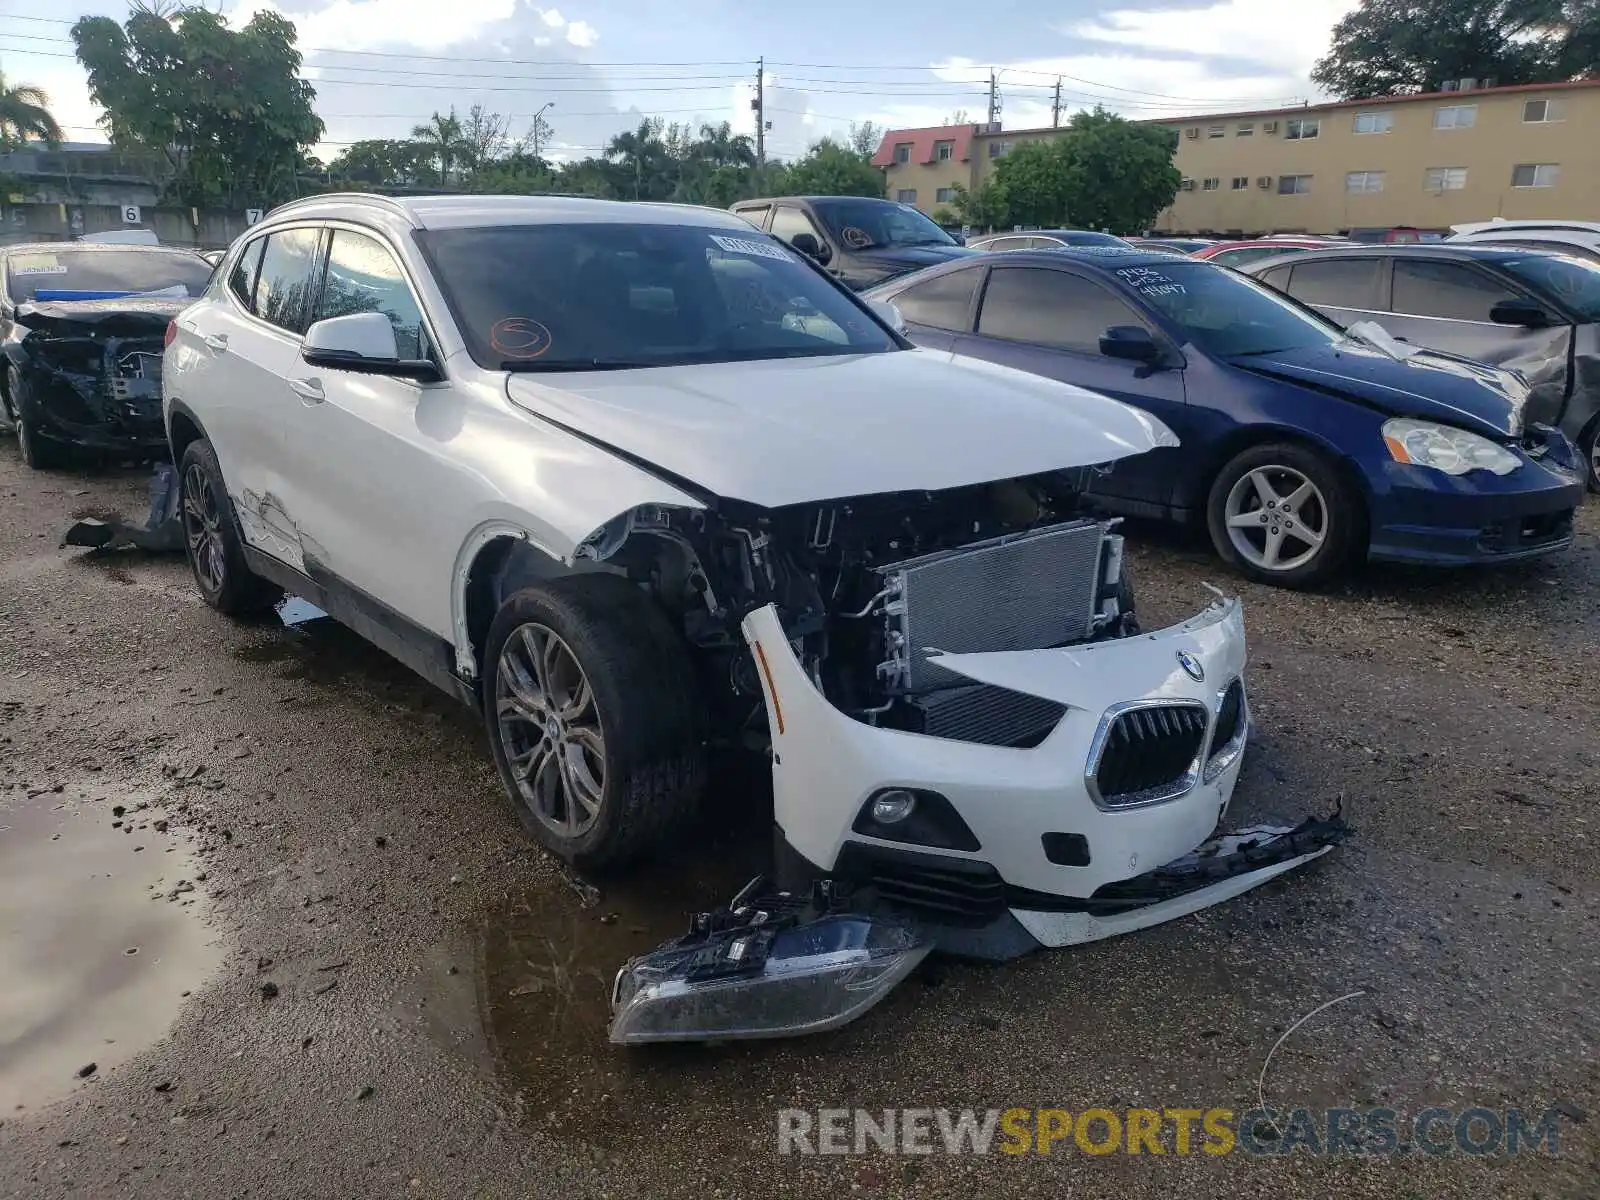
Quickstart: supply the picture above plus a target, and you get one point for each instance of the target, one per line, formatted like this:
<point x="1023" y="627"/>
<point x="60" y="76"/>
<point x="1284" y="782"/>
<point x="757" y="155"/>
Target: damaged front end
<point x="974" y="745"/>
<point x="87" y="374"/>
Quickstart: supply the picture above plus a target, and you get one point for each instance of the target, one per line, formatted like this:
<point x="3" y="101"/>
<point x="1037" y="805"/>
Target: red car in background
<point x="1237" y="254"/>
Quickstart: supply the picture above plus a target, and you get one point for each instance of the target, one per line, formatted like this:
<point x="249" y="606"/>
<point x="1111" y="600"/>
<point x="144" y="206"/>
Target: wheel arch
<point x="1243" y="437"/>
<point x="489" y="552"/>
<point x="183" y="429"/>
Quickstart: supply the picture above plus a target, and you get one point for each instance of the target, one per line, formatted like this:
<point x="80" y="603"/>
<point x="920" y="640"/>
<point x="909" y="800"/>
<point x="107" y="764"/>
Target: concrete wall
<point x="202" y="228"/>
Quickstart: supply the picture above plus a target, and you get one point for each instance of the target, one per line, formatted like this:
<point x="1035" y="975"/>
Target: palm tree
<point x="443" y="142"/>
<point x="25" y="113"/>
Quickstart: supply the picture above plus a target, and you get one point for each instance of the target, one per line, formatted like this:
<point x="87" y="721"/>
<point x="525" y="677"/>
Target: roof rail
<point x="388" y="202"/>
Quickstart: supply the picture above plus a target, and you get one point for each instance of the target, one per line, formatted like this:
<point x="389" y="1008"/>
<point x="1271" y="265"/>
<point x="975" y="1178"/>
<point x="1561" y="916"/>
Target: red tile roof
<point x="922" y="143"/>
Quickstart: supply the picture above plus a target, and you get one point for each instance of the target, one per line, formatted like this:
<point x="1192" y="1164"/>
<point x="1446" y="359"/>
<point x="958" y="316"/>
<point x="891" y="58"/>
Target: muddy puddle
<point x="100" y="939"/>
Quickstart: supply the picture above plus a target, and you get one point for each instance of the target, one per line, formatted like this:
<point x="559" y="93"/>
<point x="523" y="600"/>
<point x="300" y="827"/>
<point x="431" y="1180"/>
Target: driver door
<point x="1048" y="321"/>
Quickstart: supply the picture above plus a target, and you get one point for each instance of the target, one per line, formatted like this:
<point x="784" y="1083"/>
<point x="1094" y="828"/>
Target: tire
<point x="1250" y="491"/>
<point x="38" y="452"/>
<point x="1589" y="450"/>
<point x="630" y="721"/>
<point x="212" y="541"/>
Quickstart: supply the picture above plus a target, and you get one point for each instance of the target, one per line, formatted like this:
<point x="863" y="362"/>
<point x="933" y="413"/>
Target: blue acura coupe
<point x="1304" y="445"/>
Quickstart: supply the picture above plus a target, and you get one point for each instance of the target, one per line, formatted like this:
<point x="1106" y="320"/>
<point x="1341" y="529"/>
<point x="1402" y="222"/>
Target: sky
<point x="382" y="66"/>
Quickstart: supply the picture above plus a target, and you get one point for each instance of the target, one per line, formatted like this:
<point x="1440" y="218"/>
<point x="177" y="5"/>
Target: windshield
<point x="603" y="295"/>
<point x="46" y="275"/>
<point x="1571" y="282"/>
<point x="1225" y="313"/>
<point x="879" y="225"/>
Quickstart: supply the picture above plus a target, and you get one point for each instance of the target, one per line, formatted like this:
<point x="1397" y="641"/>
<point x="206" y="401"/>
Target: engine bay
<point x="866" y="586"/>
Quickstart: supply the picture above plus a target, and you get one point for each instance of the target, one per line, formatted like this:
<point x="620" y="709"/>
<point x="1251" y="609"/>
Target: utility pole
<point x="994" y="98"/>
<point x="539" y="126"/>
<point x="1055" y="107"/>
<point x="759" y="104"/>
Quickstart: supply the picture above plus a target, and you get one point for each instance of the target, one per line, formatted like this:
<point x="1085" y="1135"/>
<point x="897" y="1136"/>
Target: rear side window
<point x="363" y="277"/>
<point x="1337" y="282"/>
<point x="242" y="280"/>
<point x="757" y="216"/>
<point x="1050" y="308"/>
<point x="942" y="303"/>
<point x="789" y="223"/>
<point x="288" y="273"/>
<point x="1278" y="277"/>
<point x="1446" y="289"/>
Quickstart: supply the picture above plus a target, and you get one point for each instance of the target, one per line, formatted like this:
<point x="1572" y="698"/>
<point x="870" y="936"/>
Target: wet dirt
<point x="101" y="938"/>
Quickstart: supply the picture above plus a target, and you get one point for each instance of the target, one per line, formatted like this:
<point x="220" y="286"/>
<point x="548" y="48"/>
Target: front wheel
<point x="1589" y="445"/>
<point x="594" y="718"/>
<point x="1283" y="515"/>
<point x="38" y="451"/>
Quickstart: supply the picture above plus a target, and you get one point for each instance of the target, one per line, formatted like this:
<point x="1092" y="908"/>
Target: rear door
<point x="1347" y="289"/>
<point x="238" y="349"/>
<point x="1048" y="321"/>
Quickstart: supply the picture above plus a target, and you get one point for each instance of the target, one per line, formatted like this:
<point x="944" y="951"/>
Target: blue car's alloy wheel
<point x="1283" y="514"/>
<point x="1277" y="518"/>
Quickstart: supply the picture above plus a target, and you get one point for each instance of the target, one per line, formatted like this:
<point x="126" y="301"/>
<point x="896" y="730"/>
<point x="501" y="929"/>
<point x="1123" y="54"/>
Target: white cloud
<point x="541" y="41"/>
<point x="552" y="17"/>
<point x="582" y="34"/>
<point x="379" y="24"/>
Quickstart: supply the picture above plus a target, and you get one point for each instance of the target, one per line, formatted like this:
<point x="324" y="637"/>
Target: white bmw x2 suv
<point x="636" y="479"/>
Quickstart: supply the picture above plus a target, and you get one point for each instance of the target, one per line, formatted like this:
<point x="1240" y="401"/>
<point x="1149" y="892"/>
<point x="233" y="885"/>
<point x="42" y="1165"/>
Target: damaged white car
<point x="635" y="480"/>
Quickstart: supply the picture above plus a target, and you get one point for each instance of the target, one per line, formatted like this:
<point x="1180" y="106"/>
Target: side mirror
<point x="1130" y="342"/>
<point x="1519" y="312"/>
<point x="808" y="245"/>
<point x="889" y="313"/>
<point x="364" y="343"/>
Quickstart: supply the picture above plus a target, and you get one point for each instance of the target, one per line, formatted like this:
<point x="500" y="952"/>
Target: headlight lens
<point x="1453" y="451"/>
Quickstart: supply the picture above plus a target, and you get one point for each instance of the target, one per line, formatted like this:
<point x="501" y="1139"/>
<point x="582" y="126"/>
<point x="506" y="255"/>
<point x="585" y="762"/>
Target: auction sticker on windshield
<point x="1148" y="282"/>
<point x="735" y="245"/>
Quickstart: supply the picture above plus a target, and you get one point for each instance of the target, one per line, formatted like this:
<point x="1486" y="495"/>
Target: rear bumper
<point x="1424" y="516"/>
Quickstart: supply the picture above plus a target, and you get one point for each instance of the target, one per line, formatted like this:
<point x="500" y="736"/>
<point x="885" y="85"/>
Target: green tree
<point x="829" y="169"/>
<point x="226" y="107"/>
<point x="1102" y="172"/>
<point x="380" y="162"/>
<point x="1392" y="47"/>
<point x="986" y="207"/>
<point x="24" y="114"/>
<point x="444" y="145"/>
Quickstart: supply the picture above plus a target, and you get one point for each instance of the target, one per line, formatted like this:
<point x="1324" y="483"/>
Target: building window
<point x="1446" y="179"/>
<point x="1246" y="129"/>
<point x="1374" y="122"/>
<point x="1211" y="184"/>
<point x="943" y="151"/>
<point x="1364" y="181"/>
<point x="1301" y="131"/>
<point x="902" y="152"/>
<point x="1240" y="182"/>
<point x="1542" y="112"/>
<point x="906" y="195"/>
<point x="945" y="195"/>
<point x="1455" y="116"/>
<point x="999" y="149"/>
<point x="1216" y="131"/>
<point x="1186" y="185"/>
<point x="1294" y="185"/>
<point x="1525" y="175"/>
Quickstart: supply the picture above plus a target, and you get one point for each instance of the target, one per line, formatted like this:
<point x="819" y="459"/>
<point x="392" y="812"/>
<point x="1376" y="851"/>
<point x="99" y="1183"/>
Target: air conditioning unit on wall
<point x="1269" y="127"/>
<point x="1263" y="182"/>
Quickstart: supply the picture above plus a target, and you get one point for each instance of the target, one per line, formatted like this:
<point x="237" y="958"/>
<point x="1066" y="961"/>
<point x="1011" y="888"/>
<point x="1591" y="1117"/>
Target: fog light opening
<point x="893" y="805"/>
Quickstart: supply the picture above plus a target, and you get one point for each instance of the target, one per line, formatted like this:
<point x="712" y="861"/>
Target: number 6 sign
<point x="130" y="214"/>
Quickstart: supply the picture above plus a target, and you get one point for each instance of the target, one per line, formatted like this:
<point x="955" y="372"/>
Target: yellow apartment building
<point x="1464" y="153"/>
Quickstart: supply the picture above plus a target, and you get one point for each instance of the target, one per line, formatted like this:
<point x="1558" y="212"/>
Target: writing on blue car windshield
<point x="1573" y="283"/>
<point x="1225" y="313"/>
<point x="51" y="274"/>
<point x="613" y="296"/>
<point x="878" y="225"/>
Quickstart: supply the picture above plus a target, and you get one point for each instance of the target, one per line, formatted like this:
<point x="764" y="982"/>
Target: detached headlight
<point x="1453" y="451"/>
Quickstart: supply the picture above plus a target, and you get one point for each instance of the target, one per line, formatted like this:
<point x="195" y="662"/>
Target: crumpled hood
<point x="129" y="312"/>
<point x="1429" y="384"/>
<point x="787" y="431"/>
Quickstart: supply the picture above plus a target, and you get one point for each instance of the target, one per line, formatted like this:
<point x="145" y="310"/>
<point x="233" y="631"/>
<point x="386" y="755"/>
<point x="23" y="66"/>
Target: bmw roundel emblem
<point x="1191" y="666"/>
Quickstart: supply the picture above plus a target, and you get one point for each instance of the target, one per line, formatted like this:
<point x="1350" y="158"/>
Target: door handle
<point x="309" y="390"/>
<point x="217" y="342"/>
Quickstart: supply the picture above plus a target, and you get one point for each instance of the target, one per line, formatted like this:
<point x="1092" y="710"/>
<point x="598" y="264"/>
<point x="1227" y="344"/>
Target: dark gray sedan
<point x="1532" y="311"/>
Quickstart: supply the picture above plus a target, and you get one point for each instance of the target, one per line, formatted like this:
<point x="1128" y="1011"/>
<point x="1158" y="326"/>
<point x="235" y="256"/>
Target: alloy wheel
<point x="1277" y="519"/>
<point x="1594" y="462"/>
<point x="202" y="529"/>
<point x="550" y="730"/>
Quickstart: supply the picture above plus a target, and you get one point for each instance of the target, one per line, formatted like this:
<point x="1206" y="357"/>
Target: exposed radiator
<point x="1025" y="591"/>
<point x="991" y="716"/>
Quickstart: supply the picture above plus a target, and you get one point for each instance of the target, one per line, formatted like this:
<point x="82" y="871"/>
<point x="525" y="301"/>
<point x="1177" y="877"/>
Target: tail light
<point x="172" y="333"/>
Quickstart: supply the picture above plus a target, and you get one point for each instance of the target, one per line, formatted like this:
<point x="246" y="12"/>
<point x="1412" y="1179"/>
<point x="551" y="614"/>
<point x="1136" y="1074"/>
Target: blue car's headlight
<point x="1444" y="448"/>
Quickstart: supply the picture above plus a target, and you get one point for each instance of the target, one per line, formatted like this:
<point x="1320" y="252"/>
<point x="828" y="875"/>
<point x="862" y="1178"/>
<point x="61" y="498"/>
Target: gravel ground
<point x="352" y="975"/>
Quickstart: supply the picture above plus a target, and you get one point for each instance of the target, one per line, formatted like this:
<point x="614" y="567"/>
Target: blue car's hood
<point x="1428" y="384"/>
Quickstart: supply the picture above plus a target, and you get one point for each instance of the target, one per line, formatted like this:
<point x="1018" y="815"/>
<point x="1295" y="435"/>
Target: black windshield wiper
<point x="534" y="366"/>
